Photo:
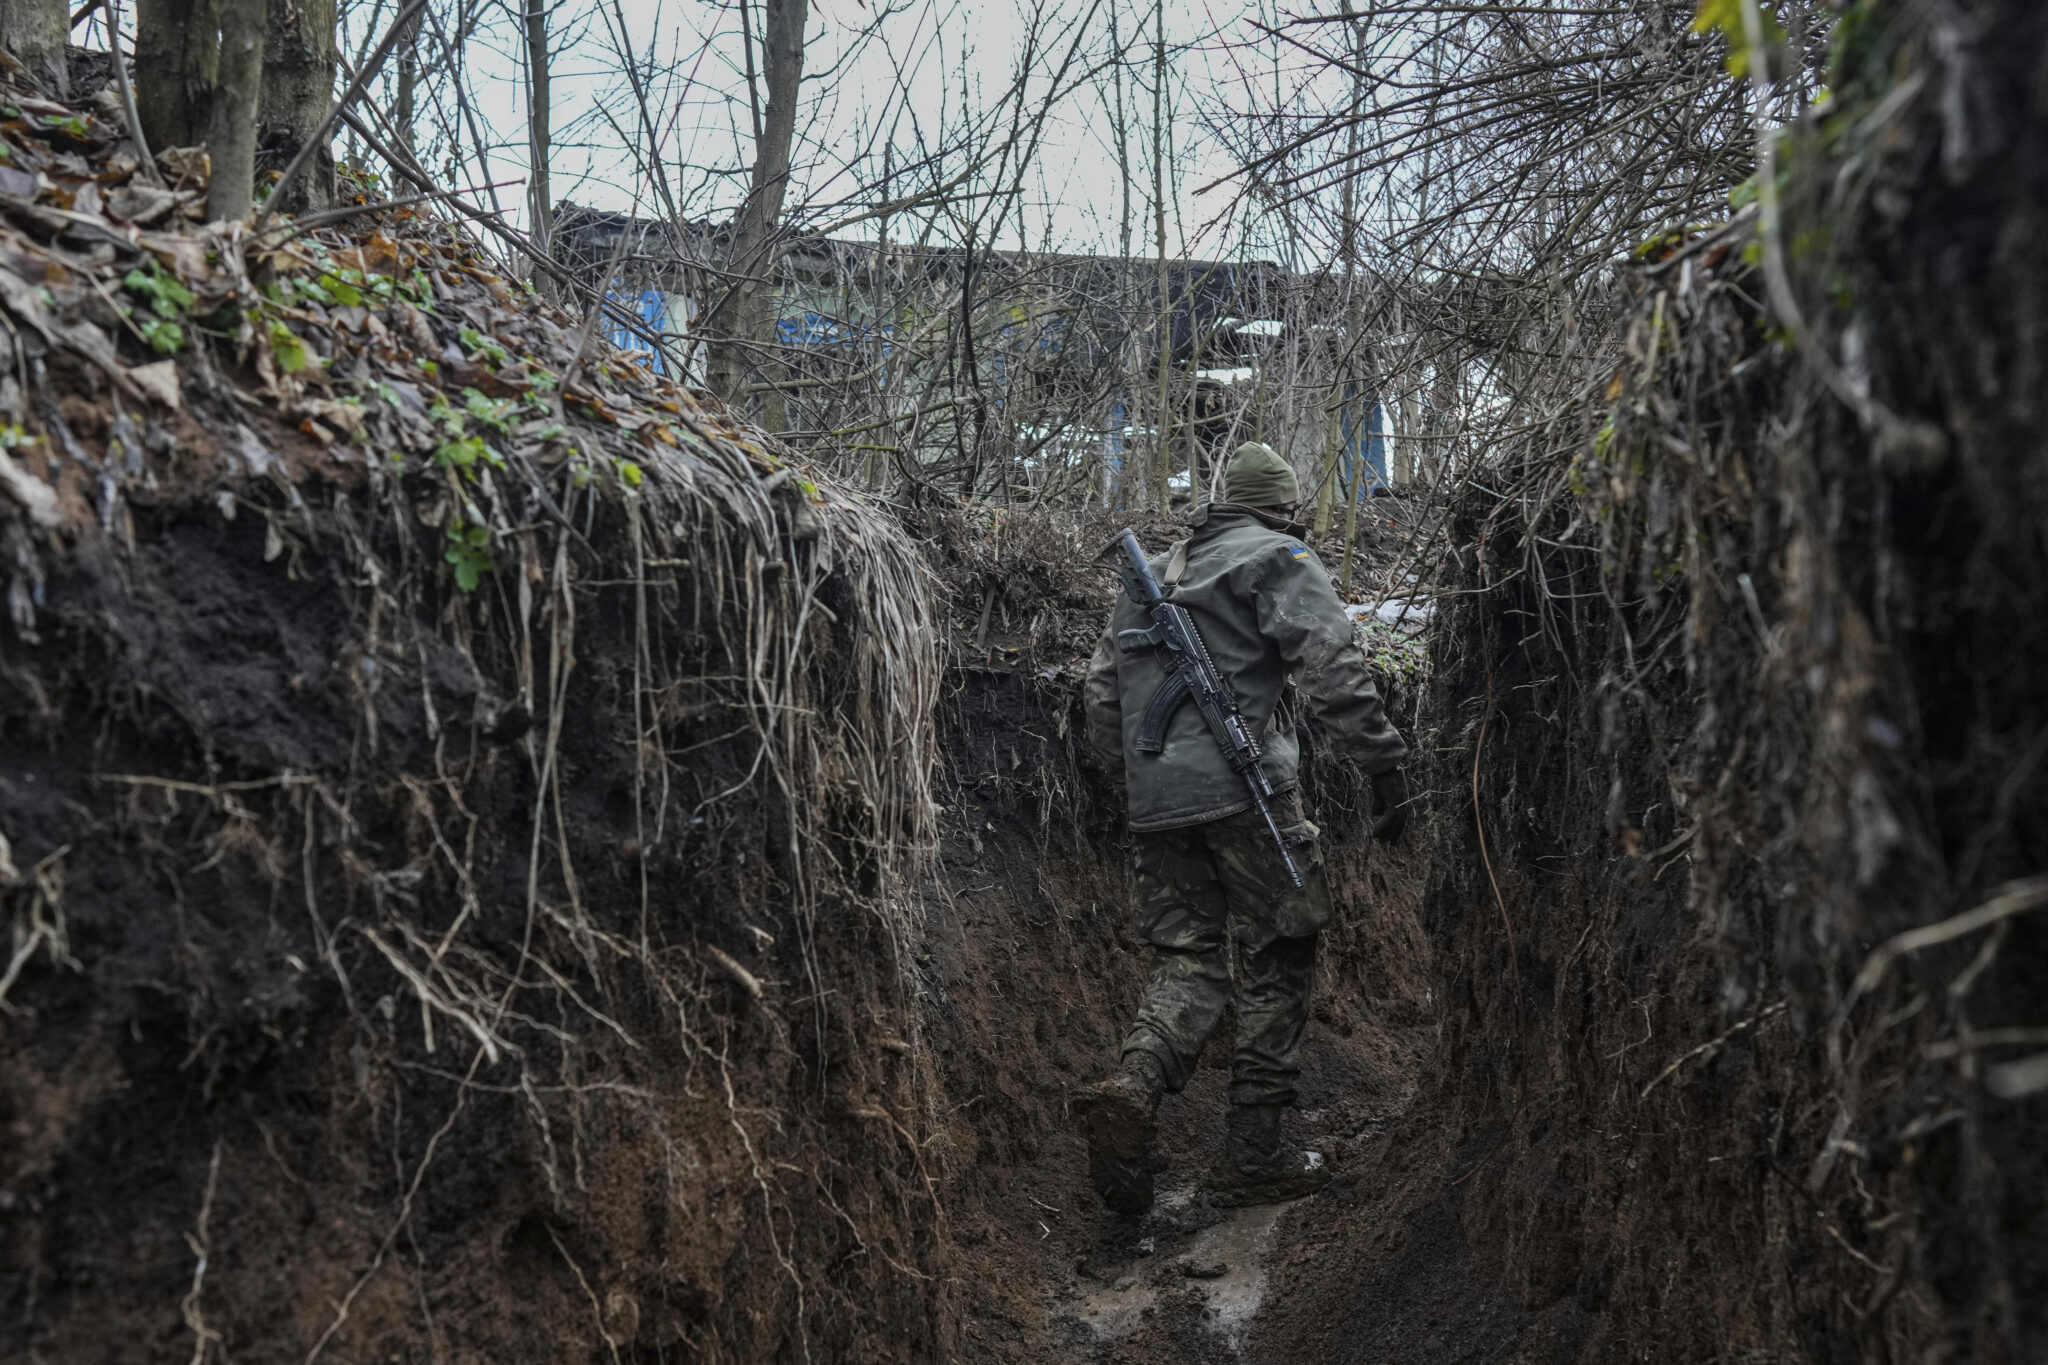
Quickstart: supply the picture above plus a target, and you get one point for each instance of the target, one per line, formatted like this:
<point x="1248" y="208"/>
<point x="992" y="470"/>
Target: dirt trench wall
<point x="1743" y="715"/>
<point x="406" y="974"/>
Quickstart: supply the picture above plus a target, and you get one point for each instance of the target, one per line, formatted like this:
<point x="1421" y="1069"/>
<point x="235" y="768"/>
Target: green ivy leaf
<point x="164" y="337"/>
<point x="288" y="349"/>
<point x="493" y="413"/>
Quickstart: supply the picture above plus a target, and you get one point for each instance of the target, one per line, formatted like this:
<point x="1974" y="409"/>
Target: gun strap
<point x="1177" y="688"/>
<point x="1176" y="566"/>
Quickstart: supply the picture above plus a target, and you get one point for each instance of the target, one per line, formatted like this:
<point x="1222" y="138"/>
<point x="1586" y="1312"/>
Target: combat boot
<point x="1257" y="1169"/>
<point x="1119" y="1117"/>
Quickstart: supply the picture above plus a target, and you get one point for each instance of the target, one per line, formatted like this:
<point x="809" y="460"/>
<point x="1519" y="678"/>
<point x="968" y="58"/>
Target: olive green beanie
<point x="1257" y="477"/>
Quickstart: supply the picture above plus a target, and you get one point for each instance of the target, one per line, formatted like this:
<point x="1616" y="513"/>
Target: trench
<point x="684" y="942"/>
<point x="1034" y="974"/>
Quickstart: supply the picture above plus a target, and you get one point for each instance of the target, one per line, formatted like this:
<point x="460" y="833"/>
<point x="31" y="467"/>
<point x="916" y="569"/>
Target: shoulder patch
<point x="1297" y="550"/>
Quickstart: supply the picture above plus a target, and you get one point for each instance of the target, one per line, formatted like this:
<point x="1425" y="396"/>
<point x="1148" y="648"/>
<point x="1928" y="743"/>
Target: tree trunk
<point x="297" y="92"/>
<point x="177" y="67"/>
<point x="744" y="313"/>
<point x="1163" y="436"/>
<point x="539" y="136"/>
<point x="409" y="81"/>
<point x="231" y="135"/>
<point x="35" y="32"/>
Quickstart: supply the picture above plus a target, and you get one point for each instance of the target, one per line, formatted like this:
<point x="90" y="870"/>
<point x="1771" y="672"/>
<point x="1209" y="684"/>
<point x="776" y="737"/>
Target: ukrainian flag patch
<point x="1298" y="551"/>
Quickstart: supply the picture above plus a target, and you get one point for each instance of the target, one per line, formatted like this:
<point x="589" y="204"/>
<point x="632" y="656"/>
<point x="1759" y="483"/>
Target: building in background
<point x="1048" y="360"/>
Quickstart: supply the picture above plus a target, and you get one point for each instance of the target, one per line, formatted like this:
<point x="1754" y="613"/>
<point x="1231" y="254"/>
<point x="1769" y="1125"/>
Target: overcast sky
<point x="924" y="68"/>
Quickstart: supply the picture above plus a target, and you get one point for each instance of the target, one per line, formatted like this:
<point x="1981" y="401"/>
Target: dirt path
<point x="1373" y="1269"/>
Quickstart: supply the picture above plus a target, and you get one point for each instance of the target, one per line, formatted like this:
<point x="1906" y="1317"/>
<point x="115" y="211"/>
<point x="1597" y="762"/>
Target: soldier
<point x="1207" y="880"/>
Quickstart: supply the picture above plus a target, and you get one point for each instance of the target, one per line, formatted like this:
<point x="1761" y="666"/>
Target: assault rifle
<point x="1191" y="675"/>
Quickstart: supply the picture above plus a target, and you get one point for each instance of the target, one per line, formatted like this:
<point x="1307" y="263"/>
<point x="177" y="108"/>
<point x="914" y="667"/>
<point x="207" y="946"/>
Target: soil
<point x="603" y="964"/>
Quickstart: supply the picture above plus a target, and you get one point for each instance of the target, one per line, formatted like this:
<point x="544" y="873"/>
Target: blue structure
<point x="1362" y="459"/>
<point x="652" y="308"/>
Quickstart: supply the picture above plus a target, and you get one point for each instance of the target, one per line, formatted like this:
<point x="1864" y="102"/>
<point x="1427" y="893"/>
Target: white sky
<point x="928" y="70"/>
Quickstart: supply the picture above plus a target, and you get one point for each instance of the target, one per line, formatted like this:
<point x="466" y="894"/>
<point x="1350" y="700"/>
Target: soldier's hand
<point x="1389" y="804"/>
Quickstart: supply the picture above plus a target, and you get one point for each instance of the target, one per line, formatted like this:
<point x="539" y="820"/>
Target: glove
<point x="1389" y="804"/>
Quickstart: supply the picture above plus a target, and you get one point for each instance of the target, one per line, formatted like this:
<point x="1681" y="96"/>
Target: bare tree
<point x="539" y="132"/>
<point x="738" y="321"/>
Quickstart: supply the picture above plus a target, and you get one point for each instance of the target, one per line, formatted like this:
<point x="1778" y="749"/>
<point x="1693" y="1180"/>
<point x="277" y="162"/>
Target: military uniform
<point x="1211" y="894"/>
<point x="1205" y="873"/>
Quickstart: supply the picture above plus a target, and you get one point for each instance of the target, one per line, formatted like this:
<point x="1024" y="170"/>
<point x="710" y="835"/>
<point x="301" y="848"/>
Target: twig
<point x="1507" y="924"/>
<point x="128" y="110"/>
<point x="301" y="225"/>
<point x="596" y="1308"/>
<point x="2014" y="898"/>
<point x="341" y="1310"/>
<point x="209" y="789"/>
<point x="199" y="1242"/>
<point x="750" y="983"/>
<point x="1711" y="1046"/>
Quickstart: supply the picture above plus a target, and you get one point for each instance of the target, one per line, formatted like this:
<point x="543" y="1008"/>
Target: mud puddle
<point x="1210" y="1273"/>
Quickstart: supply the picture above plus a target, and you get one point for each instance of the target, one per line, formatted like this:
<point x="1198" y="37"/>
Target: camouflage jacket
<point x="1265" y="608"/>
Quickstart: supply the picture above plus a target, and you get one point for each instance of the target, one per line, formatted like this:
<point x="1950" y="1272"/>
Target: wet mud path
<point x="1375" y="1268"/>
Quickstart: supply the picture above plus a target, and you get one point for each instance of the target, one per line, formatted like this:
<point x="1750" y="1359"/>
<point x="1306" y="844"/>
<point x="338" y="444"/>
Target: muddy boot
<point x="1118" y="1117"/>
<point x="1257" y="1168"/>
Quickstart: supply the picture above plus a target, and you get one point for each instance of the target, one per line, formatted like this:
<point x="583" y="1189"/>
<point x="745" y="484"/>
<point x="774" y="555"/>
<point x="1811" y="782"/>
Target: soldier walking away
<point x="1208" y="880"/>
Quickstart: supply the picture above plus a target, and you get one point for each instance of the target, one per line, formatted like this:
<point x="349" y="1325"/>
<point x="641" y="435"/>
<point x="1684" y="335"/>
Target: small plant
<point x="465" y="453"/>
<point x="469" y="550"/>
<point x="493" y="413"/>
<point x="167" y="299"/>
<point x="1726" y="16"/>
<point x="347" y="292"/>
<point x="460" y="450"/>
<point x="475" y="343"/>
<point x="165" y="338"/>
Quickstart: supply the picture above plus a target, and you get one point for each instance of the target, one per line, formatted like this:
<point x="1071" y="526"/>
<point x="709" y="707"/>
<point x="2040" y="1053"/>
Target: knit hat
<point x="1257" y="477"/>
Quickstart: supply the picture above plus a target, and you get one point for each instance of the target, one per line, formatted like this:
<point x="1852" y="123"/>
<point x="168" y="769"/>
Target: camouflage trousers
<point x="1215" y="904"/>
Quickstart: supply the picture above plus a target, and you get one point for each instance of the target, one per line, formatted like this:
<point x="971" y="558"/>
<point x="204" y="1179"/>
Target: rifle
<point x="1190" y="676"/>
